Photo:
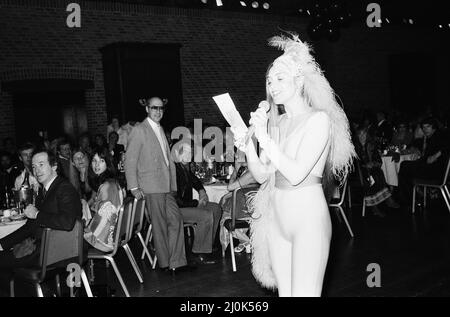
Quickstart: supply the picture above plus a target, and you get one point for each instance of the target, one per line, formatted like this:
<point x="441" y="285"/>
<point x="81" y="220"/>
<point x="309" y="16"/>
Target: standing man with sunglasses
<point x="151" y="174"/>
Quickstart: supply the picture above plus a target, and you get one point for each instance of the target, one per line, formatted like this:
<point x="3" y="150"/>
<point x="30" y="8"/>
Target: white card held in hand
<point x="229" y="111"/>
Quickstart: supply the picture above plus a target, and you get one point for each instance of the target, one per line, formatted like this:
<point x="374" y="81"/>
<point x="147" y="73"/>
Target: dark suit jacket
<point x="384" y="131"/>
<point x="437" y="142"/>
<point x="68" y="170"/>
<point x="186" y="181"/>
<point x="118" y="149"/>
<point x="58" y="210"/>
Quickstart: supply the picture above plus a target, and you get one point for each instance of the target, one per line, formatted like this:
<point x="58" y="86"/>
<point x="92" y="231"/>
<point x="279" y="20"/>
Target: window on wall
<point x="56" y="113"/>
<point x="141" y="70"/>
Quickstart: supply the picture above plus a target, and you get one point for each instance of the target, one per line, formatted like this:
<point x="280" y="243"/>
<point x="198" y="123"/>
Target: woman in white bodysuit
<point x="292" y="229"/>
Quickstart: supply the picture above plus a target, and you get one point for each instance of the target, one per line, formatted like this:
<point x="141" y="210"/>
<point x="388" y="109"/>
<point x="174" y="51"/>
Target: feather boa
<point x="261" y="209"/>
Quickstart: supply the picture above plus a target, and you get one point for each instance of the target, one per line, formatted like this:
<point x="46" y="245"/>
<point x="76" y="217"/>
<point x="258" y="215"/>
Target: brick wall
<point x="221" y="52"/>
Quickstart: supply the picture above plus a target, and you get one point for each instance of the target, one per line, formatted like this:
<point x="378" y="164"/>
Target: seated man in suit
<point x="57" y="206"/>
<point x="202" y="212"/>
<point x="434" y="155"/>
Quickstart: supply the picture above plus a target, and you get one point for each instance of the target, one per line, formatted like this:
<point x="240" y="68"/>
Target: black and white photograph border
<point x="114" y="99"/>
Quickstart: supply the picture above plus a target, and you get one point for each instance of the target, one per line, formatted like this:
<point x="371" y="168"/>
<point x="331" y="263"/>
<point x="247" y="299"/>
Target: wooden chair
<point x="441" y="184"/>
<point x="58" y="249"/>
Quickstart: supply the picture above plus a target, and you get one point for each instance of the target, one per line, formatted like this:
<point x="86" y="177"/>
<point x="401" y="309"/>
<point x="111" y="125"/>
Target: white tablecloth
<point x="214" y="192"/>
<point x="391" y="168"/>
<point x="8" y="228"/>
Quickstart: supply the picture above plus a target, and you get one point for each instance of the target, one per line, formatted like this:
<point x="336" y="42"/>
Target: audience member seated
<point x="53" y="145"/>
<point x="114" y="126"/>
<point x="66" y="168"/>
<point x="204" y="213"/>
<point x="383" y="129"/>
<point x="100" y="141"/>
<point x="125" y="131"/>
<point x="26" y="174"/>
<point x="433" y="148"/>
<point x="8" y="171"/>
<point x="84" y="144"/>
<point x="376" y="190"/>
<point x="57" y="206"/>
<point x="116" y="150"/>
<point x="241" y="177"/>
<point x="105" y="203"/>
<point x="81" y="162"/>
<point x="402" y="134"/>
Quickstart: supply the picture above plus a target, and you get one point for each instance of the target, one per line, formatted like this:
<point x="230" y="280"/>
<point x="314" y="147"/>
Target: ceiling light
<point x="243" y="4"/>
<point x="266" y="6"/>
<point x="255" y="4"/>
<point x="219" y="3"/>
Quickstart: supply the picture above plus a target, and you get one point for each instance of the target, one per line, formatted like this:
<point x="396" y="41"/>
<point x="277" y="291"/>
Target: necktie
<point x="44" y="192"/>
<point x="424" y="145"/>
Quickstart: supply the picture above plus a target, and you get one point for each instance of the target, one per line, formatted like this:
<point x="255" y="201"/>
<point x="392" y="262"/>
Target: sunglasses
<point x="155" y="108"/>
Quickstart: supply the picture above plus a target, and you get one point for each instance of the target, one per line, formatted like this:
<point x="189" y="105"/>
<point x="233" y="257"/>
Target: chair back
<point x="342" y="193"/>
<point x="234" y="203"/>
<point x="447" y="171"/>
<point x="359" y="171"/>
<point x="122" y="233"/>
<point x="59" y="247"/>
<point x="137" y="217"/>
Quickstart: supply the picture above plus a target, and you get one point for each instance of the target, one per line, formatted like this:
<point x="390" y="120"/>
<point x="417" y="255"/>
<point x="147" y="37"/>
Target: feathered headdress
<point x="320" y="96"/>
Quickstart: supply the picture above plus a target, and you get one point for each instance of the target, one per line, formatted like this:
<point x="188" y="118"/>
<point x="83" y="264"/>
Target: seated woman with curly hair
<point x="105" y="202"/>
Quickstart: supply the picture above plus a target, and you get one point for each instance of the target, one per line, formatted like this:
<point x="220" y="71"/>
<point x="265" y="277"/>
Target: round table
<point x="390" y="168"/>
<point x="8" y="228"/>
<point x="214" y="191"/>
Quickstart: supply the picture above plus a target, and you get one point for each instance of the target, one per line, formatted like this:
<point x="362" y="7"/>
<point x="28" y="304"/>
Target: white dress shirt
<point x="49" y="183"/>
<point x="158" y="131"/>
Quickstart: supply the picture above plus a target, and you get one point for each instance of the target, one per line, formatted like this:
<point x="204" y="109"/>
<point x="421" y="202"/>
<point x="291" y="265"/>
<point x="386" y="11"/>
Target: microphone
<point x="264" y="105"/>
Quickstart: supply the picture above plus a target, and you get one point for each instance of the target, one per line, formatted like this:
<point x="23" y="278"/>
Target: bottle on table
<point x="26" y="180"/>
<point x="7" y="202"/>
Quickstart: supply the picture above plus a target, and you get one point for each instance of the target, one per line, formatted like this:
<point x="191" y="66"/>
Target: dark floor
<point x="413" y="252"/>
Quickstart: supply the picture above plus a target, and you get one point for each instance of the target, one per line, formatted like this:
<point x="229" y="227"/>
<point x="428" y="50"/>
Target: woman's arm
<point x="308" y="153"/>
<point x="234" y="174"/>
<point x="257" y="168"/>
<point x="245" y="179"/>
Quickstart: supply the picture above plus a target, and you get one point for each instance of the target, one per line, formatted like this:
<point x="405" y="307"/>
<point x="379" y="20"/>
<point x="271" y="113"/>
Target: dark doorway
<point x="59" y="113"/>
<point x="412" y="86"/>
<point x="140" y="70"/>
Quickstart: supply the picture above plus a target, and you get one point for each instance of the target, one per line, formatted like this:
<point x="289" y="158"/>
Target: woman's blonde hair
<point x="320" y="96"/>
